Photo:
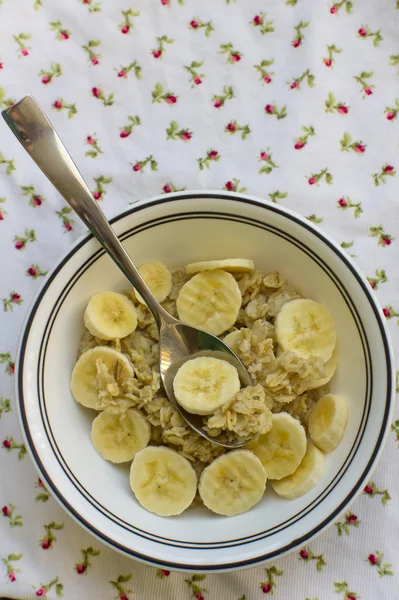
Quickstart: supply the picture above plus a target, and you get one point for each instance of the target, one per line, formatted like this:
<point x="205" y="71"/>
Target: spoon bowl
<point x="177" y="342"/>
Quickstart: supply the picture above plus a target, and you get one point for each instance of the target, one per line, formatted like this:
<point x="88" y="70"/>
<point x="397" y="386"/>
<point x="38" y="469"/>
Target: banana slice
<point x="307" y="328"/>
<point x="329" y="367"/>
<point x="305" y="477"/>
<point x="281" y="449"/>
<point x="163" y="481"/>
<point x="233" y="483"/>
<point x="232" y="265"/>
<point x="327" y="421"/>
<point x="210" y="301"/>
<point x="83" y="378"/>
<point x="202" y="385"/>
<point x="110" y="316"/>
<point x="118" y="438"/>
<point x="158" y="278"/>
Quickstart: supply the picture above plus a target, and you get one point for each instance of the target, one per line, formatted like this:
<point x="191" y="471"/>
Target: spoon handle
<point x="33" y="129"/>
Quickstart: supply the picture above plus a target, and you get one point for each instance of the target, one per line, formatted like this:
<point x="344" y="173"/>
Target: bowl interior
<point x="58" y="428"/>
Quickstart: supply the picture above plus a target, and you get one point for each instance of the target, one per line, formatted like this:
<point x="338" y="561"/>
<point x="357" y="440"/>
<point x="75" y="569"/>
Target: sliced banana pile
<point x="158" y="279"/>
<point x="84" y="375"/>
<point x="233" y="483"/>
<point x="163" y="481"/>
<point x="110" y="316"/>
<point x="118" y="438"/>
<point x="202" y="385"/>
<point x="210" y="301"/>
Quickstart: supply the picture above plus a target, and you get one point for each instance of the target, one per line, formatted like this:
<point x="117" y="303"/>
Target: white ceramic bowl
<point x="178" y="229"/>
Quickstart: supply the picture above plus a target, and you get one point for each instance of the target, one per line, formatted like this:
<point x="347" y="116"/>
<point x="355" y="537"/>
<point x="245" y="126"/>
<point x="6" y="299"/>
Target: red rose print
<point x="390" y="116"/>
<point x="11" y="368"/>
<point x="372" y="284"/>
<point x="264" y="156"/>
<point x="199" y="596"/>
<point x="137" y="167"/>
<point x="229" y="186"/>
<point x="165" y="2"/>
<point x="12" y="577"/>
<point x="167" y="189"/>
<point x="362" y="32"/>
<point x="124" y="133"/>
<point x="40" y="483"/>
<point x="68" y="226"/>
<point x="15" y="297"/>
<point x="194" y="24"/>
<point x="360" y="149"/>
<point x="351" y="518"/>
<point x="5" y="509"/>
<point x="269" y="108"/>
<point x="350" y="597"/>
<point x="96" y="92"/>
<point x="312" y="181"/>
<point x="46" y="79"/>
<point x="235" y="57"/>
<point x="304" y="554"/>
<point x="80" y="569"/>
<point x="333" y="10"/>
<point x="122" y="73"/>
<point x="97" y="195"/>
<point x="388" y="169"/>
<point x="24" y="52"/>
<point x="125" y="29"/>
<point x="94" y="60"/>
<point x="1" y="66"/>
<point x="231" y="127"/>
<point x="165" y="573"/>
<point x="90" y="140"/>
<point x="343" y="110"/>
<point x="296" y="43"/>
<point x="373" y="559"/>
<point x="32" y="272"/>
<point x="57" y="104"/>
<point x="213" y="154"/>
<point x="185" y="136"/>
<point x="342" y="202"/>
<point x="368" y="91"/>
<point x="218" y="103"/>
<point x="123" y="597"/>
<point x="328" y="62"/>
<point x="266" y="588"/>
<point x="157" y="53"/>
<point x="267" y="79"/>
<point x="171" y="100"/>
<point x="64" y="35"/>
<point x="36" y="201"/>
<point x="46" y="544"/>
<point x="40" y="592"/>
<point x="197" y="80"/>
<point x="385" y="241"/>
<point x="368" y="489"/>
<point x="299" y="145"/>
<point x="294" y="85"/>
<point x="257" y="20"/>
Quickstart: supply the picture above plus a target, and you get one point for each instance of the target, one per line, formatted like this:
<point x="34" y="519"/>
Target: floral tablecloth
<point x="294" y="101"/>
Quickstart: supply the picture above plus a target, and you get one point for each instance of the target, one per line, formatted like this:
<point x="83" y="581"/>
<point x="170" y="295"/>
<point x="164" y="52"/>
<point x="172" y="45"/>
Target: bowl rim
<point x="243" y="199"/>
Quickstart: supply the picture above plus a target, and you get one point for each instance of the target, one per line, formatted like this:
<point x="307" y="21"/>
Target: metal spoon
<point x="177" y="341"/>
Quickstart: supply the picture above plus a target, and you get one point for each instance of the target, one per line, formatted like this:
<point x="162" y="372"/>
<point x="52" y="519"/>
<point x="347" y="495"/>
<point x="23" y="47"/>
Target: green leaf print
<point x="5" y="406"/>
